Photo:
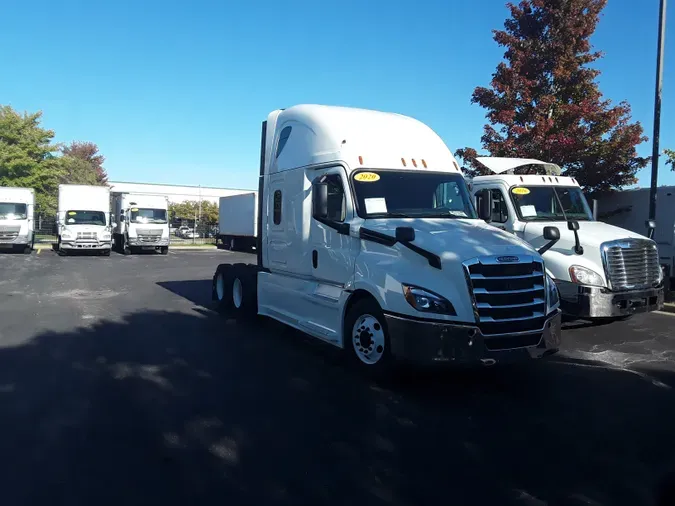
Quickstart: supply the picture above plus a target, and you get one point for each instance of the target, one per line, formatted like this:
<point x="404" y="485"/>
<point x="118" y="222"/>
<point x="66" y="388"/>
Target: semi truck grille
<point x="509" y="297"/>
<point x="631" y="263"/>
<point x="86" y="236"/>
<point x="9" y="233"/>
<point x="149" y="236"/>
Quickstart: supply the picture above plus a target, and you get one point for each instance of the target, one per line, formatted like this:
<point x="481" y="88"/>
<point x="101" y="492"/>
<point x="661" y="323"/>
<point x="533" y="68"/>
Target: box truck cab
<point x="83" y="220"/>
<point x="16" y="218"/>
<point x="369" y="240"/>
<point x="142" y="222"/>
<point x="601" y="271"/>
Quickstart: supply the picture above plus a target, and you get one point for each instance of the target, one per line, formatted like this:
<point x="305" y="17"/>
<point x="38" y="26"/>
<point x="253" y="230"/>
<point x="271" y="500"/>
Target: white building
<point x="176" y="193"/>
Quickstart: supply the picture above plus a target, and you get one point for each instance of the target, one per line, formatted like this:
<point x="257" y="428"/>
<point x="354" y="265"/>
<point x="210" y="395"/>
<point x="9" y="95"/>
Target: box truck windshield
<point x="146" y="215"/>
<point x="13" y="211"/>
<point x="550" y="203"/>
<point x="411" y="194"/>
<point x="85" y="218"/>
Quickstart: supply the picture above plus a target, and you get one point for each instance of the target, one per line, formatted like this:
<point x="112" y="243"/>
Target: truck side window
<point x="277" y="207"/>
<point x="500" y="213"/>
<point x="336" y="198"/>
<point x="283" y="138"/>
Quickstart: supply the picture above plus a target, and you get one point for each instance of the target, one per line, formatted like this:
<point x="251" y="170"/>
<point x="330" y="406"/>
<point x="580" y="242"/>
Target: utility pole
<point x="657" y="115"/>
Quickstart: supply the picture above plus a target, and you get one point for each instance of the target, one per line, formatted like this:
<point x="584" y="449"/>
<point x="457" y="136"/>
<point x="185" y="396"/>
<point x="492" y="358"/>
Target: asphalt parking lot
<point x="120" y="385"/>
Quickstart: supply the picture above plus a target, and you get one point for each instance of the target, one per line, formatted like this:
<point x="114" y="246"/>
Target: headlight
<point x="105" y="236"/>
<point x="584" y="276"/>
<point x="66" y="234"/>
<point x="426" y="301"/>
<point x="661" y="273"/>
<point x="552" y="295"/>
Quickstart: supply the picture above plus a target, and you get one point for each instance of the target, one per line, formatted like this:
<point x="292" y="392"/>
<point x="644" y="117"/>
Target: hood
<point x="591" y="234"/>
<point x="456" y="239"/>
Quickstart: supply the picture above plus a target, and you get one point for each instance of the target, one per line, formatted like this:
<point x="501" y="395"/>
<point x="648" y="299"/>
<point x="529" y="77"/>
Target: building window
<point x="277" y="207"/>
<point x="283" y="138"/>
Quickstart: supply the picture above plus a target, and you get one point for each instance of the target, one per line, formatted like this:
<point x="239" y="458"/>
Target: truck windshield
<point x="139" y="215"/>
<point x="12" y="211"/>
<point x="412" y="194"/>
<point x="85" y="218"/>
<point x="542" y="203"/>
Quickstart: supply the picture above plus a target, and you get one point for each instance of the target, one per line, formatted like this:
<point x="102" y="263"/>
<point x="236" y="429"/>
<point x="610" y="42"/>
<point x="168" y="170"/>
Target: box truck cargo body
<point x="16" y="218"/>
<point x="141" y="222"/>
<point x="83" y="219"/>
<point x="237" y="218"/>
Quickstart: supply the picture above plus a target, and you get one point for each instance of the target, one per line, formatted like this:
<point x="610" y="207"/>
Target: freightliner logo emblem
<point x="507" y="259"/>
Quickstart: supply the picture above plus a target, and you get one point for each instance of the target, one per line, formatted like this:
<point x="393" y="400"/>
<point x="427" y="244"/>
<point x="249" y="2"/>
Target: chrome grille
<point x="86" y="236"/>
<point x="149" y="235"/>
<point x="631" y="263"/>
<point x="509" y="298"/>
<point x="9" y="233"/>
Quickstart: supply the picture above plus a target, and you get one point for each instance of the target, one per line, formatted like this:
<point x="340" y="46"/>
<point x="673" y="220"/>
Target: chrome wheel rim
<point x="368" y="339"/>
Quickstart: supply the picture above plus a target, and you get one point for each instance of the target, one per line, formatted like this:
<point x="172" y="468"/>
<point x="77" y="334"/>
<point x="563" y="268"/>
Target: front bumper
<point x="430" y="342"/>
<point x="21" y="240"/>
<point x="595" y="302"/>
<point x="85" y="245"/>
<point x="135" y="242"/>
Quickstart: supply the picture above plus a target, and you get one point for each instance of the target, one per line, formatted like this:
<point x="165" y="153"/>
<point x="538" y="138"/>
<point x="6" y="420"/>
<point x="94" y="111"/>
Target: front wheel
<point x="164" y="250"/>
<point x="366" y="337"/>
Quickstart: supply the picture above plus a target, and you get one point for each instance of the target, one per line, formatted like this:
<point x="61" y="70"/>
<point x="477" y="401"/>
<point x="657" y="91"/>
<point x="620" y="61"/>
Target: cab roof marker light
<point x="424" y="163"/>
<point x="543" y="179"/>
<point x="403" y="161"/>
<point x="414" y="163"/>
<point x="456" y="166"/>
<point x="521" y="179"/>
<point x="360" y="160"/>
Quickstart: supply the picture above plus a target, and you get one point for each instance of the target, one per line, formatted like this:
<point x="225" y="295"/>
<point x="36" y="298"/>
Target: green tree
<point x="670" y="154"/>
<point x="544" y="102"/>
<point x="189" y="209"/>
<point x="28" y="158"/>
<point x="80" y="157"/>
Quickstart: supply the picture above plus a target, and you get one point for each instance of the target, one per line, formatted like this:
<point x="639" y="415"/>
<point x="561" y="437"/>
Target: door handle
<point x="315" y="258"/>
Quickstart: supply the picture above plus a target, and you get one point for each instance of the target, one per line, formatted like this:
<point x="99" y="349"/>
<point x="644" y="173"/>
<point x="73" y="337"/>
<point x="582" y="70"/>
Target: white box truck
<point x="83" y="220"/>
<point x="237" y="222"/>
<point x="602" y="271"/>
<point x="141" y="222"/>
<point x="629" y="209"/>
<point x="368" y="239"/>
<point x="16" y="218"/>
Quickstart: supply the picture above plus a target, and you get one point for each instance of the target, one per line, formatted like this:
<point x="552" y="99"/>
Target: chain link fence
<point x="181" y="233"/>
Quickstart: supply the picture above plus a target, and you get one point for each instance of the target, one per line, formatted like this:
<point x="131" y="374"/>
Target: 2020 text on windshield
<point x="550" y="203"/>
<point x="86" y="218"/>
<point x="13" y="211"/>
<point x="146" y="215"/>
<point x="385" y="193"/>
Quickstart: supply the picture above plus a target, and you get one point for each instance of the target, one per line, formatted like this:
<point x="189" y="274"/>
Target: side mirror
<point x="485" y="205"/>
<point x="552" y="233"/>
<point x="573" y="225"/>
<point x="405" y="234"/>
<point x="651" y="223"/>
<point x="320" y="201"/>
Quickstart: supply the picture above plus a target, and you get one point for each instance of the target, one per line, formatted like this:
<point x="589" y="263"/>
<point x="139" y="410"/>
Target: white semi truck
<point x="237" y="222"/>
<point x="368" y="239"/>
<point x="602" y="271"/>
<point x="16" y="218"/>
<point x="83" y="220"/>
<point x="141" y="222"/>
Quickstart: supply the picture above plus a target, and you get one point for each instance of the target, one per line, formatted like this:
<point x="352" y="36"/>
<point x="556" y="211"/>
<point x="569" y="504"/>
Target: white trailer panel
<point x="238" y="215"/>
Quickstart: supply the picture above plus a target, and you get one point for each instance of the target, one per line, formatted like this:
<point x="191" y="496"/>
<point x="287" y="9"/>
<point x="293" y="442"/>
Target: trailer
<point x="237" y="218"/>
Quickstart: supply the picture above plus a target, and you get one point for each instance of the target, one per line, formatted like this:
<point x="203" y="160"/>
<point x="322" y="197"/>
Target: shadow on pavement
<point x="175" y="409"/>
<point x="197" y="291"/>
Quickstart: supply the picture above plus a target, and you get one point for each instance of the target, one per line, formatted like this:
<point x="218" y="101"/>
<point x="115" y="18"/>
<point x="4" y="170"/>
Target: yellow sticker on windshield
<point x="72" y="213"/>
<point x="521" y="191"/>
<point x="134" y="210"/>
<point x="367" y="177"/>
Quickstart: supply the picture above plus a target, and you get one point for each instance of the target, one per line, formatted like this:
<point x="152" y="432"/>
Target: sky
<point x="175" y="92"/>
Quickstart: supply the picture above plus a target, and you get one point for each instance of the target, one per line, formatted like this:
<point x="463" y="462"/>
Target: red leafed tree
<point x="88" y="152"/>
<point x="544" y="102"/>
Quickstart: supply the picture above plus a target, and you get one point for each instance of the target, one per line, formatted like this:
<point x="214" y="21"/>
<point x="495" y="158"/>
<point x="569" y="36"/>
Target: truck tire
<point x="28" y="249"/>
<point x="105" y="253"/>
<point x="244" y="291"/>
<point x="366" y="337"/>
<point x="126" y="249"/>
<point x="164" y="250"/>
<point x="222" y="288"/>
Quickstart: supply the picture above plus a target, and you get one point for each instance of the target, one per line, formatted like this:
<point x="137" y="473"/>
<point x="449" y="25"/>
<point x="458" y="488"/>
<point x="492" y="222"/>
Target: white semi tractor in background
<point x="83" y="220"/>
<point x="237" y="222"/>
<point x="602" y="271"/>
<point x="17" y="228"/>
<point x="368" y="239"/>
<point x="141" y="222"/>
